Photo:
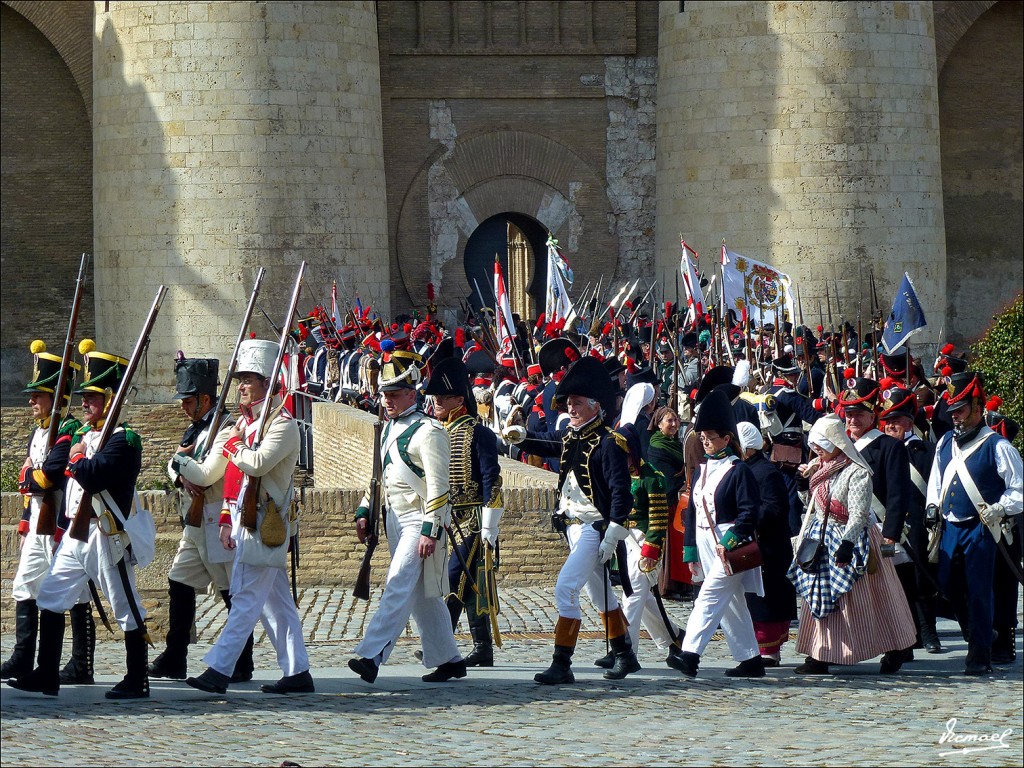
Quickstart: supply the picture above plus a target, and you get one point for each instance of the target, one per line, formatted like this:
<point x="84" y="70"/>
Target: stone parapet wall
<point x="330" y="553"/>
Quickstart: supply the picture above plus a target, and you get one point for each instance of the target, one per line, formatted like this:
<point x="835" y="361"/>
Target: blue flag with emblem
<point x="906" y="318"/>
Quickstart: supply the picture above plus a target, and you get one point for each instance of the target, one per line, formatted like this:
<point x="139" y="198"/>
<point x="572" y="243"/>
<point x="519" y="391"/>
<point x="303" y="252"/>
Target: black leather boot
<point x="1004" y="647"/>
<point x="684" y="661"/>
<point x="567" y="631"/>
<point x="926" y="620"/>
<point x="244" y="666"/>
<point x="45" y="678"/>
<point x="625" y="660"/>
<point x="483" y="649"/>
<point x="559" y="673"/>
<point x="172" y="664"/>
<point x="79" y="669"/>
<point x="26" y="627"/>
<point x="752" y="667"/>
<point x="135" y="684"/>
<point x="607" y="661"/>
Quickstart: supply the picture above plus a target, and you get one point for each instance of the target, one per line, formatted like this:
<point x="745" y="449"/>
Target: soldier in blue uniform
<point x="42" y="483"/>
<point x="474" y="478"/>
<point x="976" y="485"/>
<point x="108" y="473"/>
<point x="595" y="500"/>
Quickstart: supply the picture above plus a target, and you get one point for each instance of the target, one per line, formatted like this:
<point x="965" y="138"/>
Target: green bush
<point x="999" y="355"/>
<point x="9" y="471"/>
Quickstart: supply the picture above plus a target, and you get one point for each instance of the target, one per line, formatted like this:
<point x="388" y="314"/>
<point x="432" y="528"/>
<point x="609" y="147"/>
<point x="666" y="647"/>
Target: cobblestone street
<point x="500" y="716"/>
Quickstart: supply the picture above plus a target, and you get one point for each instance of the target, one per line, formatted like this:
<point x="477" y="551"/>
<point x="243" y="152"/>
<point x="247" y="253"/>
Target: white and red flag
<point x="506" y="330"/>
<point x="694" y="294"/>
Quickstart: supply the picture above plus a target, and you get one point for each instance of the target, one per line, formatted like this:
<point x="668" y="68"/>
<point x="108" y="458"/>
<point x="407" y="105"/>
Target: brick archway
<point x="480" y="176"/>
<point x="68" y="26"/>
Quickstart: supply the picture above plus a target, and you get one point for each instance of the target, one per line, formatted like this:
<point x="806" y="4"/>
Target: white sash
<point x="958" y="467"/>
<point x="406" y="475"/>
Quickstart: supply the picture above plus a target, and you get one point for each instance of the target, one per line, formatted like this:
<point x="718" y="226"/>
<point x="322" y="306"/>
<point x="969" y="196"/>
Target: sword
<point x="99" y="605"/>
<point x="462" y="561"/>
<point x="492" y="593"/>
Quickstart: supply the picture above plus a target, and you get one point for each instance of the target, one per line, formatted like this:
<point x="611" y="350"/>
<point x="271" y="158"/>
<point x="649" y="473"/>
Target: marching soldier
<point x="201" y="560"/>
<point x="108" y="473"/>
<point x="595" y="500"/>
<point x="648" y="521"/>
<point x="899" y="413"/>
<point x="415" y="451"/>
<point x="975" y="484"/>
<point x="259" y="579"/>
<point x="474" y="478"/>
<point x="891" y="501"/>
<point x="42" y="483"/>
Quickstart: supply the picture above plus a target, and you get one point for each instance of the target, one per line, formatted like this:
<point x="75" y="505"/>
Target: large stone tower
<point x="806" y="135"/>
<point x="229" y="135"/>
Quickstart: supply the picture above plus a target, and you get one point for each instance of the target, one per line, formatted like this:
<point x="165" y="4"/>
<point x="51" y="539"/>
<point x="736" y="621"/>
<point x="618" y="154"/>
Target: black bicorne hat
<point x="721" y="374"/>
<point x="450" y="376"/>
<point x="556" y="354"/>
<point x="716" y="414"/>
<point x="587" y="377"/>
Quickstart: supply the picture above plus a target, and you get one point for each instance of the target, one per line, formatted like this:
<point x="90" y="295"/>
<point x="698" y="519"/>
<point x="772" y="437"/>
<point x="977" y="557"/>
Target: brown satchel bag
<point x="745" y="557"/>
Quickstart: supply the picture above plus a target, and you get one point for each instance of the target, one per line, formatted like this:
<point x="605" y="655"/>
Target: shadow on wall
<point x="45" y="199"/>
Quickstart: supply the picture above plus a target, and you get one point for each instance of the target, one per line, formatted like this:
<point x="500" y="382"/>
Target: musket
<point x="842" y="322"/>
<point x="195" y="509"/>
<point x="46" y="523"/>
<point x="828" y="306"/>
<point x="79" y="529"/>
<point x="875" y="317"/>
<point x="361" y="590"/>
<point x="250" y="499"/>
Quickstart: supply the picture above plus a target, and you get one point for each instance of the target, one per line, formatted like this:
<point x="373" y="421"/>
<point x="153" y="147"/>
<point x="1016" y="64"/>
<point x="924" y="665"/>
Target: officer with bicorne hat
<point x="474" y="479"/>
<point x="595" y="500"/>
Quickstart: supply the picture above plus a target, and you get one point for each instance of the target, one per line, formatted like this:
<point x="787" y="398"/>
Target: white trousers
<point x="33" y="565"/>
<point x="75" y="563"/>
<point x="260" y="594"/>
<point x="192" y="563"/>
<point x="583" y="568"/>
<point x="720" y="601"/>
<point x="641" y="607"/>
<point x="403" y="596"/>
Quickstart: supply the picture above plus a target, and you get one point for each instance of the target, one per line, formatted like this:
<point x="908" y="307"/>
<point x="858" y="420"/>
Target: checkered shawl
<point x="823" y="587"/>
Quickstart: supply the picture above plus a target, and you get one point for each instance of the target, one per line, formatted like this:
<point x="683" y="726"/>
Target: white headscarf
<point x="749" y="436"/>
<point x="829" y="432"/>
<point x="637" y="397"/>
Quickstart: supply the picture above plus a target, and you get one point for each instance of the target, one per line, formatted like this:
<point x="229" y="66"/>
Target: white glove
<point x="992" y="514"/>
<point x="612" y="537"/>
<point x="489" y="517"/>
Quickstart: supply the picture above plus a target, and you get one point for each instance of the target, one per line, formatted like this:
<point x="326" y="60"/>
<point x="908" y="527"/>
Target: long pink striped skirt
<point x="872" y="618"/>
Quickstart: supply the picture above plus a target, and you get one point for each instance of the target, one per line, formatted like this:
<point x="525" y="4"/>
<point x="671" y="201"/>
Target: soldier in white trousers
<point x="106" y="474"/>
<point x="42" y="483"/>
<point x="259" y="579"/>
<point x="415" y="452"/>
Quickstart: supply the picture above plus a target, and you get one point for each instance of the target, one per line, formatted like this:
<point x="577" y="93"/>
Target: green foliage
<point x="999" y="355"/>
<point x="9" y="471"/>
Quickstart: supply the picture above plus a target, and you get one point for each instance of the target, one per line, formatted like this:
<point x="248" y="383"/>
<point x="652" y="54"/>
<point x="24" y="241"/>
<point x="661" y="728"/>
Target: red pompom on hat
<point x="571" y="354"/>
<point x="994" y="402"/>
<point x="849" y="373"/>
<point x="946" y="371"/>
<point x="947" y="349"/>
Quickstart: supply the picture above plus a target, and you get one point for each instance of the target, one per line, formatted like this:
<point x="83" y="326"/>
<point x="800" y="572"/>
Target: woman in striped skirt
<point x="853" y="605"/>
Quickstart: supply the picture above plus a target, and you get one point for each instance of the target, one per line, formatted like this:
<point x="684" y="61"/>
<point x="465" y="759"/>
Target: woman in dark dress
<point x="772" y="613"/>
